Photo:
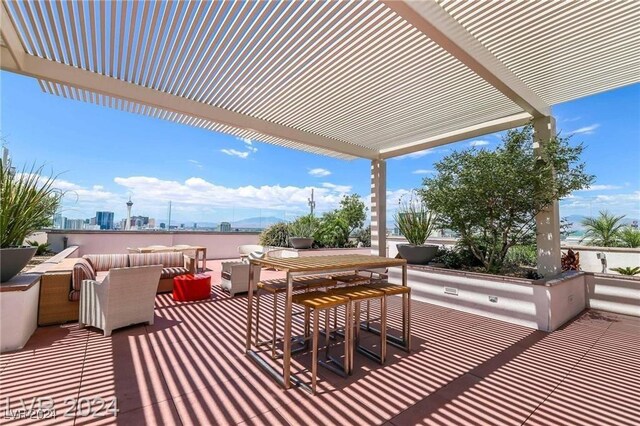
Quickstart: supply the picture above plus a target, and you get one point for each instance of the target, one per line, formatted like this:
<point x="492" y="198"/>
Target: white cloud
<point x="478" y="143"/>
<point x="627" y="204"/>
<point x="418" y="154"/>
<point x="319" y="172"/>
<point x="197" y="194"/>
<point x="196" y="163"/>
<point x="342" y="189"/>
<point x="586" y="130"/>
<point x="423" y="172"/>
<point x="235" y="153"/>
<point x="601" y="188"/>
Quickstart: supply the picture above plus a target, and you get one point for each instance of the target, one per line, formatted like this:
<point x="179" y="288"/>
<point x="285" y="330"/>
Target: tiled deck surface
<point x="189" y="368"/>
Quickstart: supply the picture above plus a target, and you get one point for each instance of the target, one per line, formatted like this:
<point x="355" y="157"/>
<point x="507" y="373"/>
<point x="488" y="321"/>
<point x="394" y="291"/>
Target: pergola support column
<point x="547" y="221"/>
<point x="379" y="208"/>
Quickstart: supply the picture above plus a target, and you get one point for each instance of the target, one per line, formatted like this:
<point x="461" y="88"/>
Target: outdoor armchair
<point x="126" y="296"/>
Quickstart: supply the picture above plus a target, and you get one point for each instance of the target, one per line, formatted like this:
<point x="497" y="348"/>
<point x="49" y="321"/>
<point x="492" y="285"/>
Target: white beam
<point x="14" y="54"/>
<point x="433" y="21"/>
<point x="547" y="221"/>
<point x="82" y="79"/>
<point x="379" y="208"/>
<point x="493" y="126"/>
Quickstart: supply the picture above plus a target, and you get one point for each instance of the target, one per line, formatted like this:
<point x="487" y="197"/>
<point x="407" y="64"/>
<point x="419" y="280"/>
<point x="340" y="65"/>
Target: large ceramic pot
<point x="417" y="255"/>
<point x="13" y="259"/>
<point x="301" y="243"/>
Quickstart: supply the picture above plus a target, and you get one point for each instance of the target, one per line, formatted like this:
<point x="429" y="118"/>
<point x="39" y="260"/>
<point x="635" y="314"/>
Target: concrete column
<point x="547" y="221"/>
<point x="379" y="208"/>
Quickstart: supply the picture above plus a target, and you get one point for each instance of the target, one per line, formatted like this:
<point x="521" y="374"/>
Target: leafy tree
<point x="363" y="235"/>
<point x="491" y="198"/>
<point x="630" y="236"/>
<point x="333" y="230"/>
<point x="353" y="211"/>
<point x="604" y="230"/>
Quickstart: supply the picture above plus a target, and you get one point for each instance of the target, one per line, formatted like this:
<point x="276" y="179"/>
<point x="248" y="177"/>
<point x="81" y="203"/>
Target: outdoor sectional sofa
<point x="60" y="291"/>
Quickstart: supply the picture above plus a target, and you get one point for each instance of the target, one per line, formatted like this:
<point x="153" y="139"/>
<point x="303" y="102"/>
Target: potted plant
<point x="415" y="223"/>
<point x="301" y="231"/>
<point x="29" y="200"/>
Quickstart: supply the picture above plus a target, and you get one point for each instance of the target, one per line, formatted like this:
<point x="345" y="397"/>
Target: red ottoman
<point x="191" y="287"/>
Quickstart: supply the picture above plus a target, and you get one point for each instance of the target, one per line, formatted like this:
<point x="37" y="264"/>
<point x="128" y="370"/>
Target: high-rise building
<point x="74" y="224"/>
<point x="59" y="221"/>
<point x="225" y="227"/>
<point x="104" y="220"/>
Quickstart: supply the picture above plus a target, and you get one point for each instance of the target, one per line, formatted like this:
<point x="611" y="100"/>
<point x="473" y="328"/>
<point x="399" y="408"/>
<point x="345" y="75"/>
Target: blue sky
<point x="106" y="155"/>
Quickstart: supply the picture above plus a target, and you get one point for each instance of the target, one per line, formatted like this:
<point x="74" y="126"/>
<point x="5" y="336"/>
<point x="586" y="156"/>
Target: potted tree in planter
<point x="28" y="203"/>
<point x="416" y="224"/>
<point x="301" y="231"/>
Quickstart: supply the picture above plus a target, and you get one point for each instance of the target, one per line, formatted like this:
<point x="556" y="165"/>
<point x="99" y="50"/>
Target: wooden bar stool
<point x="318" y="301"/>
<point x="356" y="295"/>
<point x="276" y="287"/>
<point x="388" y="289"/>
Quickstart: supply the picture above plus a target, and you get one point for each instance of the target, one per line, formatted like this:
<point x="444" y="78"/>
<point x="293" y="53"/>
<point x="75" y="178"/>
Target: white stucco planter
<point x="543" y="304"/>
<point x="18" y="311"/>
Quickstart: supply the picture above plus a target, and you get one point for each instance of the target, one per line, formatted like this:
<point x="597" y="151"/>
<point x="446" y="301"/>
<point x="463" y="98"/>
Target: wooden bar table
<point x="312" y="265"/>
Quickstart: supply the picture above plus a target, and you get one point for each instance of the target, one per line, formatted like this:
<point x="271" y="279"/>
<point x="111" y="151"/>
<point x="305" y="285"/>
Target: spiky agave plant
<point x="414" y="221"/>
<point x="28" y="201"/>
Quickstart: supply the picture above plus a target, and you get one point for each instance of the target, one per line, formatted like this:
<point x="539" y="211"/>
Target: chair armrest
<point x="190" y="263"/>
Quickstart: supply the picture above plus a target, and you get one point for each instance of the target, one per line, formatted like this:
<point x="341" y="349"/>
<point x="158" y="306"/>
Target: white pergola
<point x="351" y="79"/>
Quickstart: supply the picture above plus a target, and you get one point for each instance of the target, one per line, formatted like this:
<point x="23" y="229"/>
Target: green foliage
<point x="333" y="230"/>
<point x="604" y="230"/>
<point x="522" y="255"/>
<point x="28" y="201"/>
<point x="353" y="211"/>
<point x="42" y="248"/>
<point x="363" y="235"/>
<point x="627" y="270"/>
<point x="303" y="227"/>
<point x="276" y="235"/>
<point x="450" y="258"/>
<point x="491" y="198"/>
<point x="630" y="236"/>
<point x="414" y="221"/>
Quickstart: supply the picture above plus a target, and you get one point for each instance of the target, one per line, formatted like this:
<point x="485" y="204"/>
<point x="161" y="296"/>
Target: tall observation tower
<point x="127" y="226"/>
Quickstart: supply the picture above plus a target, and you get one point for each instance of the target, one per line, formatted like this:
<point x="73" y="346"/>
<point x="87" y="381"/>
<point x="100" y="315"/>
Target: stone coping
<point x="547" y="282"/>
<point x="21" y="282"/>
<point x="24" y="281"/>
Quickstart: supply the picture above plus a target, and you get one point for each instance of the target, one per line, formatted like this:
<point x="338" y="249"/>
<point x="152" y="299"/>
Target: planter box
<point x="19" y="311"/>
<point x="543" y="304"/>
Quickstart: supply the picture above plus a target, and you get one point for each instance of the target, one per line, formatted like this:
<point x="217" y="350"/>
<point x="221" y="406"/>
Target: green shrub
<point x="450" y="258"/>
<point x="42" y="248"/>
<point x="627" y="270"/>
<point x="332" y="231"/>
<point x="524" y="255"/>
<point x="276" y="235"/>
<point x="363" y="235"/>
<point x="303" y="227"/>
<point x="630" y="236"/>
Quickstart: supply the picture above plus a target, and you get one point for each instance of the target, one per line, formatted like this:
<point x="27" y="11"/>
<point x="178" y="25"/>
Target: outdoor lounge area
<point x="189" y="368"/>
<point x="174" y="324"/>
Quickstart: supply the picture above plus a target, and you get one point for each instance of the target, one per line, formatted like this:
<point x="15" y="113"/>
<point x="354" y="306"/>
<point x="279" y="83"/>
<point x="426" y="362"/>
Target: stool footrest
<point x="333" y="365"/>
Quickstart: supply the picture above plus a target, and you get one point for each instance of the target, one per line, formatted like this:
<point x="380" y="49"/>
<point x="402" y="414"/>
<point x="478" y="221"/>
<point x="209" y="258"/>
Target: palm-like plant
<point x="630" y="236"/>
<point x="628" y="270"/>
<point x="604" y="230"/>
<point x="28" y="202"/>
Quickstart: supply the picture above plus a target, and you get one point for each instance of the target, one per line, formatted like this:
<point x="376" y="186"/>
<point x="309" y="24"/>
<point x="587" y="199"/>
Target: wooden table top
<point x="328" y="263"/>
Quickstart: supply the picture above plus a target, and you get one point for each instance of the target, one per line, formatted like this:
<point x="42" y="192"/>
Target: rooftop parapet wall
<point x="220" y="245"/>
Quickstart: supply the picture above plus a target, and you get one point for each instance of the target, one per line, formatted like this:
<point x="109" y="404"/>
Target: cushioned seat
<point x="173" y="271"/>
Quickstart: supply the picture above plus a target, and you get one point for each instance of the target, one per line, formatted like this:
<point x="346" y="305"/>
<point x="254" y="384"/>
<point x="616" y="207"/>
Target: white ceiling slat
<point x="103" y="38"/>
<point x="54" y="30"/>
<point x="132" y="26"/>
<point x="44" y="53"/>
<point x="141" y="35"/>
<point x="152" y="35"/>
<point x="119" y="71"/>
<point x="169" y="42"/>
<point x="159" y="42"/>
<point x="94" y="35"/>
<point x="65" y="34"/>
<point x="112" y="39"/>
<point x="15" y="14"/>
<point x="45" y="31"/>
<point x="84" y="34"/>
